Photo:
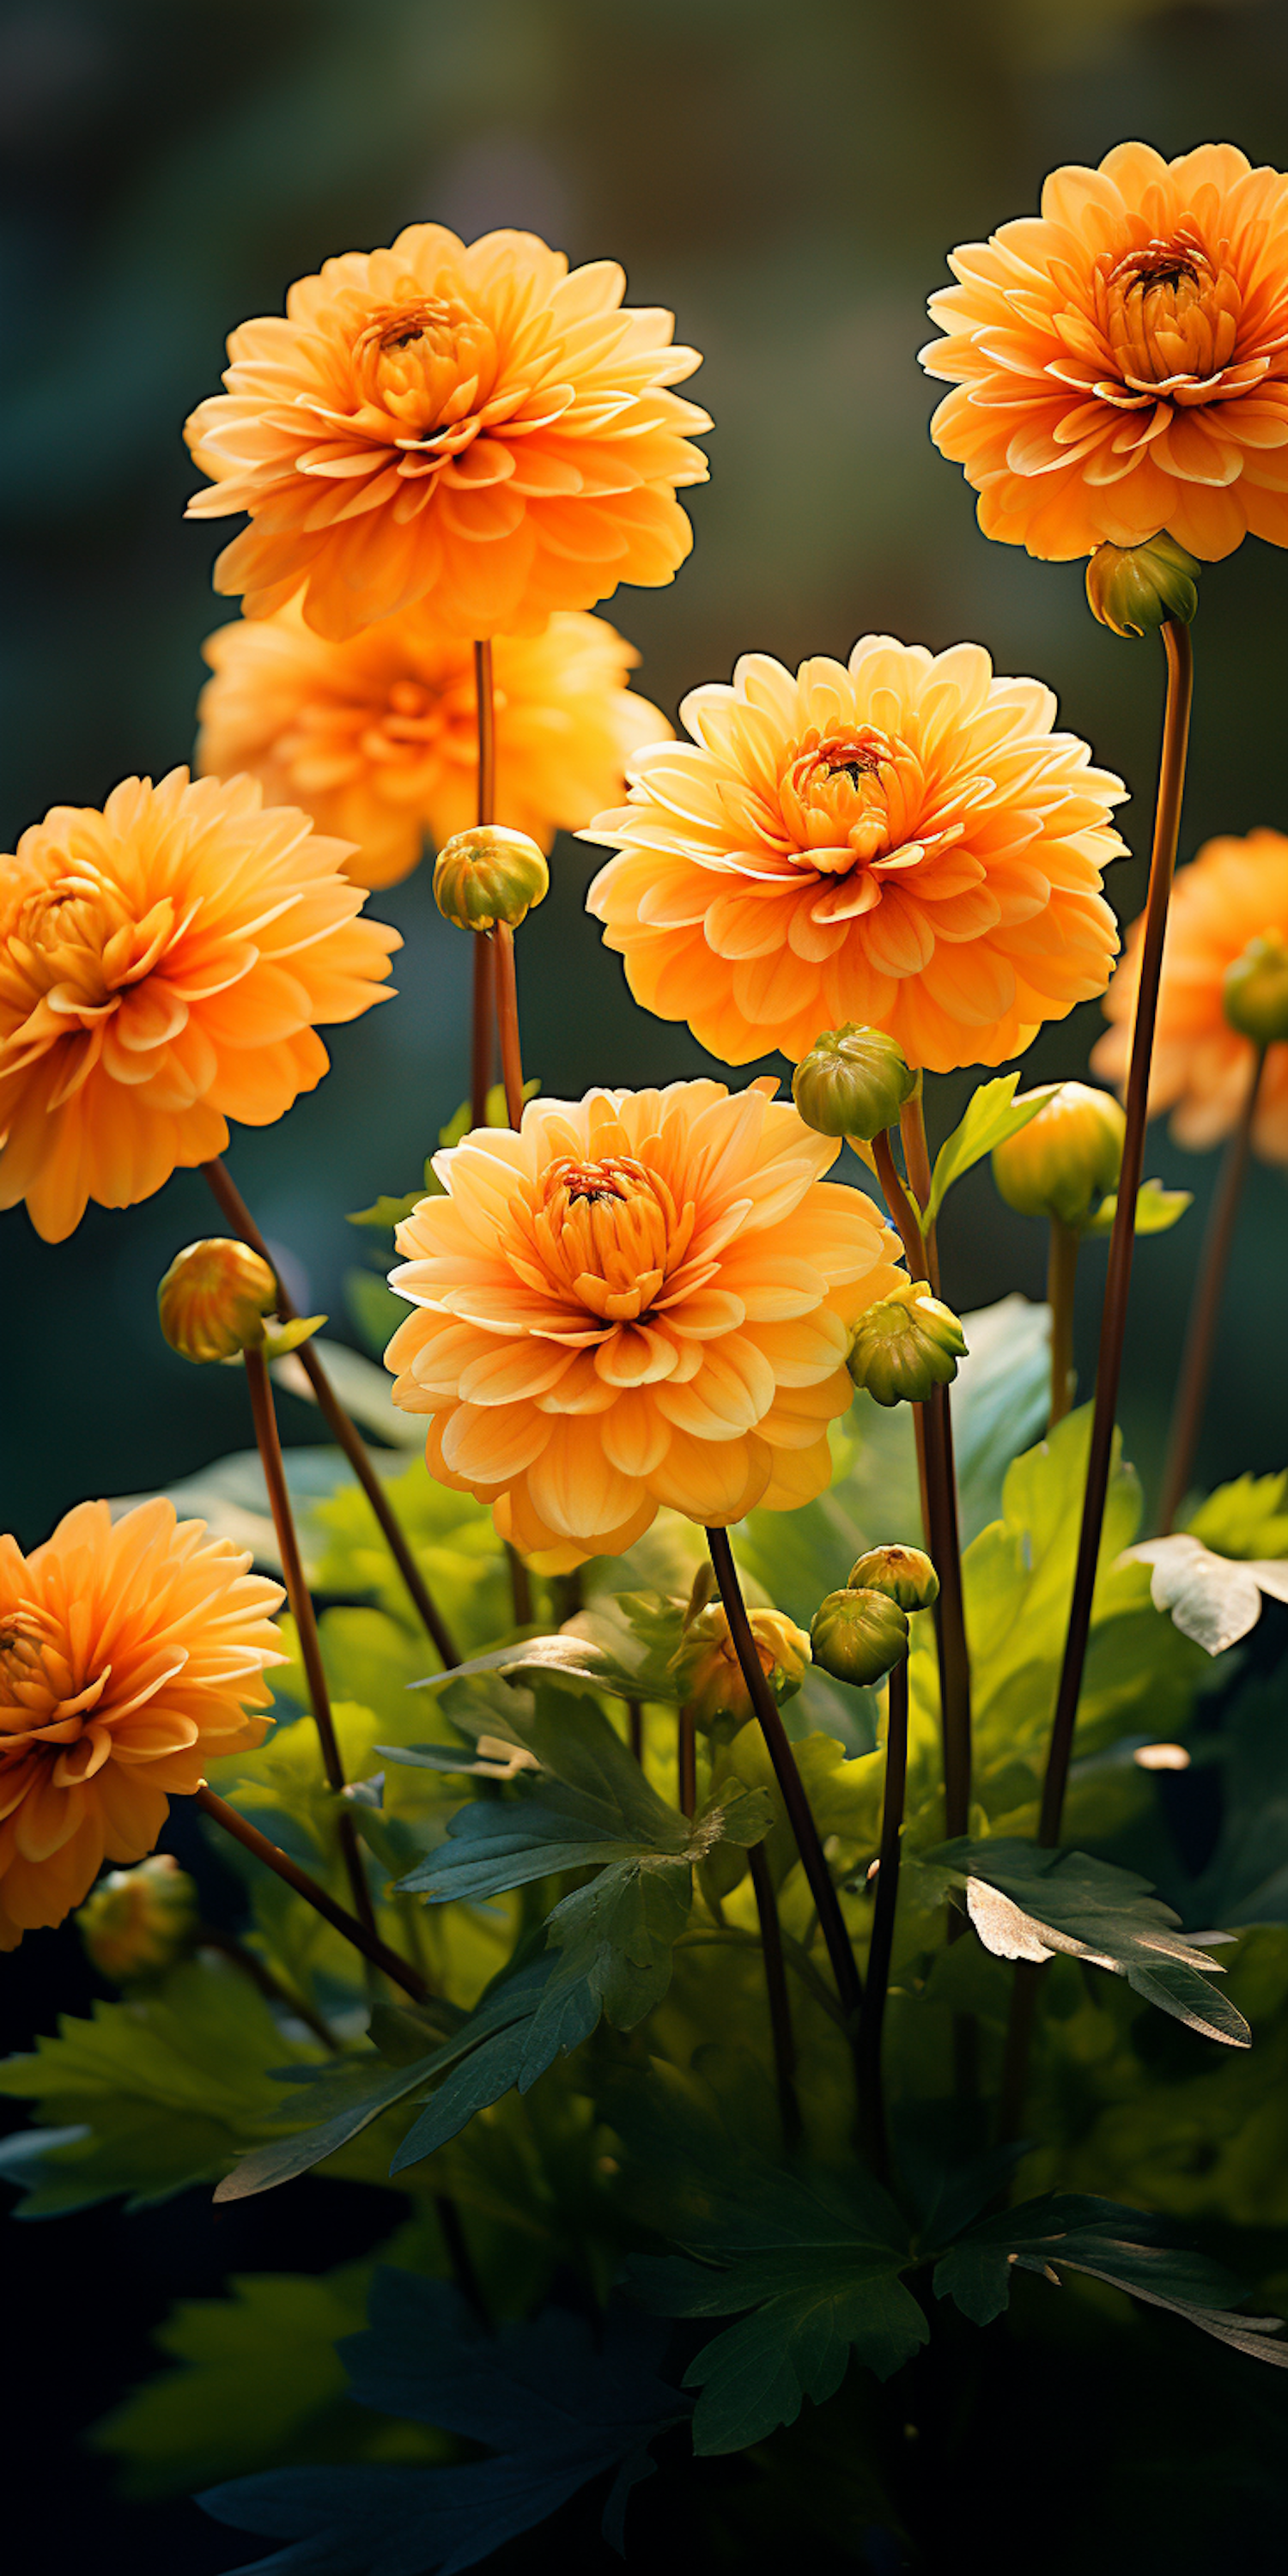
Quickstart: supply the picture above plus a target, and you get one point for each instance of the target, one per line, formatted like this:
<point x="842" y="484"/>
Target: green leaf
<point x="162" y="2089"/>
<point x="1248" y="1518"/>
<point x="373" y="1310"/>
<point x="1213" y="1599"/>
<point x="1127" y="2247"/>
<point x="809" y="2261"/>
<point x="1157" y="1209"/>
<point x="991" y="1117"/>
<point x="1028" y="1903"/>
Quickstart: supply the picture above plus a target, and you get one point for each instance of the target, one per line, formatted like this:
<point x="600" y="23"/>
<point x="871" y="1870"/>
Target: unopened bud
<point x="1254" y="992"/>
<point x="214" y="1298"/>
<point x="906" y="1345"/>
<point x="853" y="1082"/>
<point x="1135" y="589"/>
<point x="1068" y="1157"/>
<point x="137" y="1922"/>
<point x="708" y="1675"/>
<point x="859" y="1636"/>
<point x="904" y="1574"/>
<point x="489" y="874"/>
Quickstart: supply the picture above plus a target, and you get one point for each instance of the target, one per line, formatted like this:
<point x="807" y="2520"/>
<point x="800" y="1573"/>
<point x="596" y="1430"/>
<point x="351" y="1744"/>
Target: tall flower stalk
<point x="481" y="1030"/>
<point x="872" y="2018"/>
<point x="302" y="1883"/>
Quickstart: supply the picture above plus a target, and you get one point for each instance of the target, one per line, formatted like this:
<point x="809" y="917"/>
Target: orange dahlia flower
<point x="477" y="424"/>
<point x="161" y="967"/>
<point x="376" y="738"/>
<point x="1121" y="361"/>
<point x="131" y="1653"/>
<point x="903" y="843"/>
<point x="1235" y="891"/>
<point x="640" y="1298"/>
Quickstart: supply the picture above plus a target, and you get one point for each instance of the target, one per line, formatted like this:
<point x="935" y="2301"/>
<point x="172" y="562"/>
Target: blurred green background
<point x="788" y="179"/>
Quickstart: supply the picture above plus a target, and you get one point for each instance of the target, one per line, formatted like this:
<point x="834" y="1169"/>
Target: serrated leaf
<point x="1127" y="2247"/>
<point x="1157" y="1209"/>
<point x="1213" y="1599"/>
<point x="991" y="1117"/>
<point x="1029" y="1903"/>
<point x="622" y="1645"/>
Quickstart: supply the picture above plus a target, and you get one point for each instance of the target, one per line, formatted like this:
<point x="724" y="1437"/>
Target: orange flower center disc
<point x="836" y="797"/>
<point x="1169" y="314"/>
<point x="426" y="366"/>
<point x="606" y="1233"/>
<point x="77" y="943"/>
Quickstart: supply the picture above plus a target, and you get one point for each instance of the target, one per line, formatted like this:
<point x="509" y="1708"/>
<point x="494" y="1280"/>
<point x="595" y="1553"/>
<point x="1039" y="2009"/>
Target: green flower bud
<point x="1254" y="992"/>
<point x="1067" y="1158"/>
<point x="137" y="1922"/>
<point x="906" y="1345"/>
<point x="853" y="1082"/>
<point x="489" y="874"/>
<point x="708" y="1675"/>
<point x="904" y="1574"/>
<point x="1135" y="589"/>
<point x="858" y="1636"/>
<point x="213" y="1299"/>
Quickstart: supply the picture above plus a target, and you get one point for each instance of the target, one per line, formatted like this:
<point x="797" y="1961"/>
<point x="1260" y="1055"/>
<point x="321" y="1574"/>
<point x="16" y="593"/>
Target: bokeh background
<point x="787" y="179"/>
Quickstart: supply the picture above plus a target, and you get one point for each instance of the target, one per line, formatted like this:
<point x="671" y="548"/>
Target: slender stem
<point x="314" y="1894"/>
<point x="881" y="1952"/>
<point x="301" y="1604"/>
<point x="507" y="1000"/>
<point x="233" y="1208"/>
<point x="209" y="1937"/>
<point x="687" y="1761"/>
<point x="916" y="1155"/>
<point x="635" y="1727"/>
<point x="1167" y="819"/>
<point x="780" y="2010"/>
<point x="923" y="1485"/>
<point x="1200" y="1334"/>
<point x="902" y="1211"/>
<point x="482" y="1040"/>
<point x="1062" y="1273"/>
<point x="1020" y="2026"/>
<point x="520" y="1587"/>
<point x="849" y="1984"/>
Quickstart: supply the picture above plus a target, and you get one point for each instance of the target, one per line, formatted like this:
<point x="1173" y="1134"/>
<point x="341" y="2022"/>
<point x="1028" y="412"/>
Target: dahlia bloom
<point x="903" y="843"/>
<point x="475" y="423"/>
<point x="639" y="1298"/>
<point x="132" y="1652"/>
<point x="161" y="968"/>
<point x="1120" y="362"/>
<point x="376" y="737"/>
<point x="1232" y="893"/>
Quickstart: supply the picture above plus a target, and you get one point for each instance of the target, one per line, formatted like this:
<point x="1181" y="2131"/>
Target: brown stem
<point x="481" y="1032"/>
<point x="916" y="1155"/>
<point x="635" y="1728"/>
<point x="687" y="1760"/>
<point x="1167" y="819"/>
<point x="849" y="1984"/>
<point x="508" y="1015"/>
<point x="881" y="1952"/>
<point x="780" y="2009"/>
<point x="301" y="1604"/>
<point x="1200" y="1333"/>
<point x="209" y="1937"/>
<point x="520" y="1587"/>
<point x="1062" y="1273"/>
<point x="313" y="1893"/>
<point x="903" y="1213"/>
<point x="1020" y="2026"/>
<point x="233" y="1208"/>
<point x="482" y="1038"/>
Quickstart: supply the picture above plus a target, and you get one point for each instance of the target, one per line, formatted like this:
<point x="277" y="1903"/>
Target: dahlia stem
<point x="635" y="1727"/>
<point x="502" y="939"/>
<point x="1200" y="1332"/>
<point x="879" y="1956"/>
<point x="1167" y="821"/>
<point x="849" y="1984"/>
<point x="687" y="1760"/>
<point x="1062" y="1273"/>
<point x="313" y="1893"/>
<point x="520" y="1587"/>
<point x="944" y="1539"/>
<point x="301" y="1604"/>
<point x="234" y="1209"/>
<point x="482" y="1041"/>
<point x="916" y="1156"/>
<point x="780" y="2009"/>
<point x="209" y="1937"/>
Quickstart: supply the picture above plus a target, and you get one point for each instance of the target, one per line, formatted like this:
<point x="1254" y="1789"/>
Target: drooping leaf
<point x="1213" y="1599"/>
<point x="556" y="2406"/>
<point x="991" y="1117"/>
<point x="1157" y="1209"/>
<point x="1028" y="1903"/>
<point x="1127" y="2247"/>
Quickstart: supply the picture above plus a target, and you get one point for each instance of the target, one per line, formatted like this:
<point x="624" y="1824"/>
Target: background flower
<point x="642" y="1298"/>
<point x="161" y="967"/>
<point x="131" y="1653"/>
<point x="376" y="737"/>
<point x="479" y="424"/>
<point x="1121" y="363"/>
<point x="1232" y="893"/>
<point x="903" y="843"/>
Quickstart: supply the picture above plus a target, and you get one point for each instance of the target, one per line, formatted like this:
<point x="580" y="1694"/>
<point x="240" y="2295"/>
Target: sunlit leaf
<point x="991" y="1117"/>
<point x="1156" y="1210"/>
<point x="1127" y="2247"/>
<point x="1213" y="1599"/>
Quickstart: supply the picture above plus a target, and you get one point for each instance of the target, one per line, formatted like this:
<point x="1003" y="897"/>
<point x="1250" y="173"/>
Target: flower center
<point x="78" y="940"/>
<point x="607" y="1234"/>
<point x="835" y="797"/>
<point x="38" y="1689"/>
<point x="1169" y="313"/>
<point x="427" y="364"/>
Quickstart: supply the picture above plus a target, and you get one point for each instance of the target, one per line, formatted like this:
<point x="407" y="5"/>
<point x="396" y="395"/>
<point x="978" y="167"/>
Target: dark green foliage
<point x="1124" y="2246"/>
